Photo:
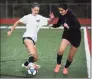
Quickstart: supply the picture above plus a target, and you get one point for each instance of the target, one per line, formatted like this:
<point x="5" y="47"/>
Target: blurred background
<point x="18" y="8"/>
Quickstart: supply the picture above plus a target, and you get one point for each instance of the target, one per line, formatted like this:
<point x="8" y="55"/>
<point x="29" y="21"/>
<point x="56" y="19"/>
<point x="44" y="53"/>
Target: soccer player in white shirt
<point x="33" y="23"/>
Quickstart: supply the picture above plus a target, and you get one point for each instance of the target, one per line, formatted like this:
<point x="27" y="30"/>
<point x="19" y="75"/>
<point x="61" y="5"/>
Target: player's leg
<point x="64" y="44"/>
<point x="75" y="43"/>
<point x="69" y="59"/>
<point x="30" y="65"/>
<point x="32" y="51"/>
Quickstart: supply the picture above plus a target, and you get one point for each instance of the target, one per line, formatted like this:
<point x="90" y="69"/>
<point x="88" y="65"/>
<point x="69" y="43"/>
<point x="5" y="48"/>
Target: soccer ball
<point x="32" y="70"/>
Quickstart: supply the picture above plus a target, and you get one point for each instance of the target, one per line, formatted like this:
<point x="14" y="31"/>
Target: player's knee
<point x="61" y="51"/>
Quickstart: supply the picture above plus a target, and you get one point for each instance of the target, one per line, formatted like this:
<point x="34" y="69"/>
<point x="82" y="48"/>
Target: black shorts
<point x="73" y="36"/>
<point x="29" y="39"/>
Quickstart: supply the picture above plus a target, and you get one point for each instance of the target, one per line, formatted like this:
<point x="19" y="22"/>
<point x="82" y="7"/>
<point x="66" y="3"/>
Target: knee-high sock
<point x="59" y="58"/>
<point x="31" y="59"/>
<point x="68" y="63"/>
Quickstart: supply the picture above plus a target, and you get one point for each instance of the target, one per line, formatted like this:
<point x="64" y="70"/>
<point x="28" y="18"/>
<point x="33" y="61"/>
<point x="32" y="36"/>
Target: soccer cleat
<point x="25" y="64"/>
<point x="57" y="68"/>
<point x="65" y="71"/>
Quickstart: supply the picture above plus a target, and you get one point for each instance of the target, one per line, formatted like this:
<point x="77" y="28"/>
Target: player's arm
<point x="56" y="24"/>
<point x="51" y="17"/>
<point x="13" y="27"/>
<point x="23" y="20"/>
<point x="46" y="21"/>
<point x="74" y="22"/>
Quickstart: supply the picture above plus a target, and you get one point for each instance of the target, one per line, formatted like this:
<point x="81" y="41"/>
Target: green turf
<point x="13" y="54"/>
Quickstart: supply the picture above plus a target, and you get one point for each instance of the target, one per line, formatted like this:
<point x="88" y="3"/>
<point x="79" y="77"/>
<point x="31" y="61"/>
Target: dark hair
<point x="35" y="5"/>
<point x="64" y="6"/>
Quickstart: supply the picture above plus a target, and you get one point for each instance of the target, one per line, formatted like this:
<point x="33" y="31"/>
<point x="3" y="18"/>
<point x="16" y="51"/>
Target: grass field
<point x="13" y="54"/>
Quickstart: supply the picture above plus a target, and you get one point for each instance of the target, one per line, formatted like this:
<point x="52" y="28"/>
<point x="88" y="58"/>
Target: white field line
<point x="44" y="27"/>
<point x="87" y="51"/>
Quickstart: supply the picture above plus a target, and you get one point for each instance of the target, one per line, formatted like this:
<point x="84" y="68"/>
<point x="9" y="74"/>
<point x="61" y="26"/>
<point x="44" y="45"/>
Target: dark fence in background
<point x="82" y="10"/>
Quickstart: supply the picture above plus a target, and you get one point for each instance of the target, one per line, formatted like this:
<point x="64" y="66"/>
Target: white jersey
<point x="33" y="24"/>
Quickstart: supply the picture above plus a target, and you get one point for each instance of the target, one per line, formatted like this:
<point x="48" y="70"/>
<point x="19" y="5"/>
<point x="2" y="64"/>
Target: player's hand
<point x="66" y="25"/>
<point x="9" y="33"/>
<point x="51" y="15"/>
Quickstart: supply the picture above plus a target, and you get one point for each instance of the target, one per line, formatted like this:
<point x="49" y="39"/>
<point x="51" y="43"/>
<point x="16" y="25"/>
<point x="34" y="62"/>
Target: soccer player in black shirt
<point x="71" y="35"/>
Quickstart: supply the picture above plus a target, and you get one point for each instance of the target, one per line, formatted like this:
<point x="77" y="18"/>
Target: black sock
<point x="31" y="59"/>
<point x="59" y="58"/>
<point x="68" y="63"/>
<point x="26" y="63"/>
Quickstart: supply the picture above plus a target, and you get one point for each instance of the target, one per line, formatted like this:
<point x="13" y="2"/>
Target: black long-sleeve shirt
<point x="70" y="19"/>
